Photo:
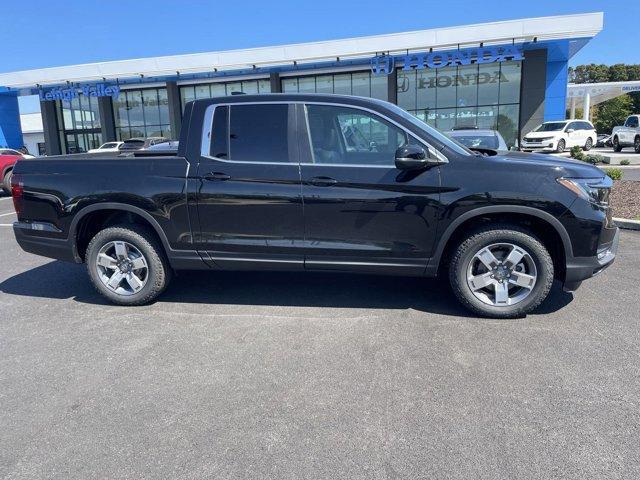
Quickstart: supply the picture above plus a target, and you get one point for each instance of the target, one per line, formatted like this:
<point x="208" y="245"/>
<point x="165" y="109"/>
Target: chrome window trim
<point x="207" y="127"/>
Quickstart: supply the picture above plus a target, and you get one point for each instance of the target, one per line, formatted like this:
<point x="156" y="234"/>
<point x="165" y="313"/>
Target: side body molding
<point x="434" y="262"/>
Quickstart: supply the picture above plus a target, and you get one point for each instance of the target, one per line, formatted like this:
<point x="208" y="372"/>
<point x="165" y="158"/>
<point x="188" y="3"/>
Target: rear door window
<point x="258" y="133"/>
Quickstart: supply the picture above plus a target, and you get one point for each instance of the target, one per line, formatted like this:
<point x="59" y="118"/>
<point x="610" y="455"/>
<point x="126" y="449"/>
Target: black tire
<point x="616" y="145"/>
<point x="464" y="253"/>
<point x="561" y="146"/>
<point x="636" y="144"/>
<point x="6" y="183"/>
<point x="588" y="145"/>
<point x="158" y="271"/>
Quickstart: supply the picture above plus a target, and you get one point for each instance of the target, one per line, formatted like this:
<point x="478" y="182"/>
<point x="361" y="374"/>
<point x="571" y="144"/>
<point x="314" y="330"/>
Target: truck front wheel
<point x="501" y="272"/>
<point x="127" y="265"/>
<point x="616" y="145"/>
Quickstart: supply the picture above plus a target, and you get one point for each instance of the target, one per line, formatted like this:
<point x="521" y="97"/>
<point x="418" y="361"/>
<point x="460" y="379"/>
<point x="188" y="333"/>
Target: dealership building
<point x="508" y="75"/>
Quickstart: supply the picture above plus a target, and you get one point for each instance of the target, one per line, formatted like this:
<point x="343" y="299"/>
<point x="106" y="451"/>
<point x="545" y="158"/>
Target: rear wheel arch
<point x="90" y="220"/>
<point x="556" y="238"/>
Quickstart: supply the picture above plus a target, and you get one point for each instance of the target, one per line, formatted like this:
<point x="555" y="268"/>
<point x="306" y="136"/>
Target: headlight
<point x="544" y="139"/>
<point x="594" y="190"/>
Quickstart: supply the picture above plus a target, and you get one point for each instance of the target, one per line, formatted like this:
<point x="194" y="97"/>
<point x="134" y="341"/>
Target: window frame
<point x="207" y="128"/>
<point x="298" y="139"/>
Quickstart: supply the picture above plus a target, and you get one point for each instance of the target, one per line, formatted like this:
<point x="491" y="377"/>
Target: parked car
<point x="107" y="147"/>
<point x="139" y="143"/>
<point x="558" y="136"/>
<point x="266" y="182"/>
<point x="603" y="140"/>
<point x="11" y="151"/>
<point x="627" y="135"/>
<point x="7" y="162"/>
<point x="479" y="139"/>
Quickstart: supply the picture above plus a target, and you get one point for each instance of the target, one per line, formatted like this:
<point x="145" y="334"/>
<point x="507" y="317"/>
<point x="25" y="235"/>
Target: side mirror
<point x="411" y="157"/>
<point x="570" y="130"/>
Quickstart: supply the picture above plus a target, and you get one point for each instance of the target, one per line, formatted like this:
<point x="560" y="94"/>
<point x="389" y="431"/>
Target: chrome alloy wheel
<point x="122" y="268"/>
<point x="501" y="274"/>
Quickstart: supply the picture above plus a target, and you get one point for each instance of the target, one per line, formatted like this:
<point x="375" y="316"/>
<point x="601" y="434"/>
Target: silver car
<point x="476" y="138"/>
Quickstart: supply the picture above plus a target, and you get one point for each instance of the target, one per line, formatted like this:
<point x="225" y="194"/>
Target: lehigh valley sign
<point x="385" y="64"/>
<point x="97" y="90"/>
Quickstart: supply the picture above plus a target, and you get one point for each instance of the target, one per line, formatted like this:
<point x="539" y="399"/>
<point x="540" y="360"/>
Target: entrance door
<point x="249" y="199"/>
<point x="361" y="213"/>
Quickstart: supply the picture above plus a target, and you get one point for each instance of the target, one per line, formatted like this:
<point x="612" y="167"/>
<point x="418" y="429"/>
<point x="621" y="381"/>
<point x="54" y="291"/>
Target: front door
<point x="361" y="213"/>
<point x="249" y="199"/>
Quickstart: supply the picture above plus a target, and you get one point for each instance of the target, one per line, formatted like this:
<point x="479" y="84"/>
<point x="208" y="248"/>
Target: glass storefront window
<point x="222" y="89"/>
<point x="488" y="84"/>
<point x="363" y="84"/>
<point x="407" y="90"/>
<point x="446" y="87"/>
<point x="79" y="123"/>
<point x="290" y="85"/>
<point x="486" y="96"/>
<point x="360" y="84"/>
<point x="144" y="113"/>
<point x="202" y="91"/>
<point x="324" y="84"/>
<point x="306" y="85"/>
<point x="379" y="87"/>
<point x="467" y="83"/>
<point x="510" y="74"/>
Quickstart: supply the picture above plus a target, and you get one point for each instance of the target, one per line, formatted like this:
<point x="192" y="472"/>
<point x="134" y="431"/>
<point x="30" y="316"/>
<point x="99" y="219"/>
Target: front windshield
<point x="442" y="138"/>
<point x="551" y="127"/>
<point x="478" y="141"/>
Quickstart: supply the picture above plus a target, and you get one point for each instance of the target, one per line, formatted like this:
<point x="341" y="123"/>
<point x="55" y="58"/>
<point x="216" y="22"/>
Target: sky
<point x="37" y="33"/>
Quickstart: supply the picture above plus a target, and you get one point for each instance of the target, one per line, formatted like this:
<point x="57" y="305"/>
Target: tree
<point x="611" y="113"/>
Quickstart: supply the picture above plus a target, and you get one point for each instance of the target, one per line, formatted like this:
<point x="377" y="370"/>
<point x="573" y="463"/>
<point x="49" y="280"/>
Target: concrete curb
<point x="627" y="224"/>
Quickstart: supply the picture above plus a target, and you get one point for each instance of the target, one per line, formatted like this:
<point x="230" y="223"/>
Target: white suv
<point x="627" y="135"/>
<point x="558" y="136"/>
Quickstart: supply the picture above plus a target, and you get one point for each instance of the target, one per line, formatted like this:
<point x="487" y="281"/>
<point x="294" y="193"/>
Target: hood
<point x="567" y="167"/>
<point x="543" y="134"/>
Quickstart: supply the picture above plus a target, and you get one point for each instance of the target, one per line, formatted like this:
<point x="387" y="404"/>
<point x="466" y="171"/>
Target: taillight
<point x="17" y="192"/>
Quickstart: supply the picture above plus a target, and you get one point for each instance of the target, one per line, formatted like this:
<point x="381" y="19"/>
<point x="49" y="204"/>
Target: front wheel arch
<point x="544" y="225"/>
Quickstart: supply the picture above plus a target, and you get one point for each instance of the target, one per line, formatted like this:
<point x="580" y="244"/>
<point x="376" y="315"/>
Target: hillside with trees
<point x="613" y="112"/>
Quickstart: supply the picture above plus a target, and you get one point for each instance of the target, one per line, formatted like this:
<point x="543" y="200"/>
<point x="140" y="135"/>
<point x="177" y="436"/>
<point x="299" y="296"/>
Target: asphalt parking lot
<point x="313" y="376"/>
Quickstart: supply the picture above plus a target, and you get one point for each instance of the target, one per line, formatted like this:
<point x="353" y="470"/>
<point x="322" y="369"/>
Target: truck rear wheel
<point x="127" y="265"/>
<point x="501" y="272"/>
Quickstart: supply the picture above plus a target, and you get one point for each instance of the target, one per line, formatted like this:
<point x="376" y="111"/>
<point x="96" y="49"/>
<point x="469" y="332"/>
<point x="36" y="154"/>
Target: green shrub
<point x="614" y="173"/>
<point x="577" y="153"/>
<point x="593" y="159"/>
<point x="625" y="161"/>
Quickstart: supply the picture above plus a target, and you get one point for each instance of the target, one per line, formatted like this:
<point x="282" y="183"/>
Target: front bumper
<point x="582" y="268"/>
<point x="546" y="146"/>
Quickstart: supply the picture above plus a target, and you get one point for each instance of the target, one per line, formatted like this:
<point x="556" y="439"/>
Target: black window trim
<point x="205" y="141"/>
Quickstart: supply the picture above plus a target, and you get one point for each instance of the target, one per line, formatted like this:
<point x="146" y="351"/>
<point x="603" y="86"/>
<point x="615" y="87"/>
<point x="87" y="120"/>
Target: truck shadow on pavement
<point x="61" y="280"/>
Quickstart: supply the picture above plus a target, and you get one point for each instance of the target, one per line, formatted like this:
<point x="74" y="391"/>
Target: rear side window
<point x="258" y="133"/>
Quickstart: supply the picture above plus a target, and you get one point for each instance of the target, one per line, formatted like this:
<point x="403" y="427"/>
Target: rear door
<point x="573" y="138"/>
<point x="248" y="197"/>
<point x="361" y="213"/>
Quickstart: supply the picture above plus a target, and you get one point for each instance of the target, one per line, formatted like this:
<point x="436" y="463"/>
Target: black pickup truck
<point x="320" y="182"/>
